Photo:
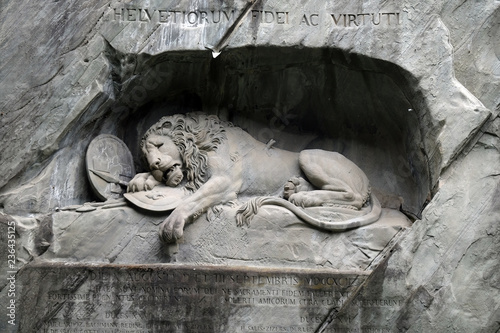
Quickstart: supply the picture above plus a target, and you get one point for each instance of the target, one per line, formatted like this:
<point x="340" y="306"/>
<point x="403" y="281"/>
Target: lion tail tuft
<point x="248" y="210"/>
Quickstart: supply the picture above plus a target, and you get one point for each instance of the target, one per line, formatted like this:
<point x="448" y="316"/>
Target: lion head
<point x="194" y="135"/>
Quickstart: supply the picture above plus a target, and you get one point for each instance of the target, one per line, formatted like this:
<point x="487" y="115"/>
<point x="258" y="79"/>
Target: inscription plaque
<point x="173" y="298"/>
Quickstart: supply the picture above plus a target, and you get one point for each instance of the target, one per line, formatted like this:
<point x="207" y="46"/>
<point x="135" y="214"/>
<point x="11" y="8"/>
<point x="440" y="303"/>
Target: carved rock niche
<point x="301" y="98"/>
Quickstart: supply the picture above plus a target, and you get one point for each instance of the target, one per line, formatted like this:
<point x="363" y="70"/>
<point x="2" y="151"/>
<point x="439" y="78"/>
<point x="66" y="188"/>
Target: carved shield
<point x="109" y="166"/>
<point x="160" y="199"/>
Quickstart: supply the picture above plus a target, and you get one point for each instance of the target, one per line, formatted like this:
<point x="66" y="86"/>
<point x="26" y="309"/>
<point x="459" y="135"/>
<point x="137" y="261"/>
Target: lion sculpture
<point x="218" y="162"/>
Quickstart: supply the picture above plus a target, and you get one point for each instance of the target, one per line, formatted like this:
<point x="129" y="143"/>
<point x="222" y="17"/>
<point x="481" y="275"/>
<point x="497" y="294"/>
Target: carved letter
<point x="312" y="21"/>
<point x="147" y="16"/>
<point x="304" y="20"/>
<point x="269" y="17"/>
<point x="352" y="18"/>
<point x="336" y="20"/>
<point x="388" y="17"/>
<point x="363" y="15"/>
<point x="175" y="14"/>
<point x="118" y="14"/>
<point x="164" y="15"/>
<point x="213" y="16"/>
<point x="192" y="17"/>
<point x="203" y="17"/>
<point x="255" y="14"/>
<point x="229" y="17"/>
<point x="131" y="14"/>
<point x="282" y="17"/>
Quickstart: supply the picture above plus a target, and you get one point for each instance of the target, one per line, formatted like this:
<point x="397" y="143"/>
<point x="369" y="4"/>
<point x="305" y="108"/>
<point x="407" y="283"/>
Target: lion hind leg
<point x="324" y="169"/>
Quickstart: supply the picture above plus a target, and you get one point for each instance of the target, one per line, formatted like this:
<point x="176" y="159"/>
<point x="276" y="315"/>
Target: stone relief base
<point x="275" y="238"/>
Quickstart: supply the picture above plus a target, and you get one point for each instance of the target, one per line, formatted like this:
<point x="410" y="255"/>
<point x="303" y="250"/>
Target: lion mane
<point x="194" y="134"/>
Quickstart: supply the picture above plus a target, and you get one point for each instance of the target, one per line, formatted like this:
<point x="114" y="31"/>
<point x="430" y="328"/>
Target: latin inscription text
<point x="203" y="17"/>
<point x="140" y="292"/>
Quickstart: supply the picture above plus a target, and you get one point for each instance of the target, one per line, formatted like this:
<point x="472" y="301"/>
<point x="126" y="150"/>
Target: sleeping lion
<point x="218" y="162"/>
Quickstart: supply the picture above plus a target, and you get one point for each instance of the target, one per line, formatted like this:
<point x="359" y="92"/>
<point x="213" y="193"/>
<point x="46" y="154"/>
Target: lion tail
<point x="247" y="211"/>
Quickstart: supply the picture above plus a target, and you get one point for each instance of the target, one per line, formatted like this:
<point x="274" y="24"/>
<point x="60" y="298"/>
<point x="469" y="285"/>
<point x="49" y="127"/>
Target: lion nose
<point x="156" y="164"/>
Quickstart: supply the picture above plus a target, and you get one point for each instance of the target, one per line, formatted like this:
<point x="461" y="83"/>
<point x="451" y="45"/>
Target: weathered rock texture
<point x="408" y="91"/>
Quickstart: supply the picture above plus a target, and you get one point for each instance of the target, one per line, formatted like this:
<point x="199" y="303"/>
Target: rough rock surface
<point x="414" y="102"/>
<point x="447" y="264"/>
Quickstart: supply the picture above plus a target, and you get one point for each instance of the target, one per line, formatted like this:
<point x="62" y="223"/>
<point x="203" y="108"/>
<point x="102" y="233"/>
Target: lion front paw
<point x="172" y="228"/>
<point x="142" y="182"/>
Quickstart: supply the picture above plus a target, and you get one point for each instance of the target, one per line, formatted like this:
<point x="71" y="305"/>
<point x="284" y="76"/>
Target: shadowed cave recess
<point x="304" y="98"/>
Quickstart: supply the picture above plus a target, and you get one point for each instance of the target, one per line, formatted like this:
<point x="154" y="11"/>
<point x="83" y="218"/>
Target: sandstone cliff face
<point x="408" y="91"/>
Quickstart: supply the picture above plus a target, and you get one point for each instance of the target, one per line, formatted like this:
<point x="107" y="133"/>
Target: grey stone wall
<point x="407" y="90"/>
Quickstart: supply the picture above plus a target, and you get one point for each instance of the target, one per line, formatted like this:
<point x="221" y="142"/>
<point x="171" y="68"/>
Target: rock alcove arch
<point x="364" y="108"/>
